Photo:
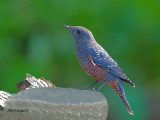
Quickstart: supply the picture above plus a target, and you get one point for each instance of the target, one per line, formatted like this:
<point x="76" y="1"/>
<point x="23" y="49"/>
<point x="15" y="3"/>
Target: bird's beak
<point x="67" y="27"/>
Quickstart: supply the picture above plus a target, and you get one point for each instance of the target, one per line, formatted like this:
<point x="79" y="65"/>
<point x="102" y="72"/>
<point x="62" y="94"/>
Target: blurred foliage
<point x="33" y="41"/>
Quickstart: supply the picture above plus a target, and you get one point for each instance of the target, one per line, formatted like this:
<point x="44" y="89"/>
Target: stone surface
<point x="55" y="104"/>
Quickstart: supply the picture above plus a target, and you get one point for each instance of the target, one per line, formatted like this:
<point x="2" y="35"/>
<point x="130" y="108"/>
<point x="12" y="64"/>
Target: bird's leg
<point x="101" y="86"/>
<point x="90" y="87"/>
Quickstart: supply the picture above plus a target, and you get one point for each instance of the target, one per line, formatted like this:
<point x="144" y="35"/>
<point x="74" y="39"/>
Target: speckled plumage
<point x="97" y="62"/>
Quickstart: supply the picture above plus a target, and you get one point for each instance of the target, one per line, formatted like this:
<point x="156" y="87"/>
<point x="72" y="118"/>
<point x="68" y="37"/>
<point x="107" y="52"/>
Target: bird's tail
<point x="118" y="87"/>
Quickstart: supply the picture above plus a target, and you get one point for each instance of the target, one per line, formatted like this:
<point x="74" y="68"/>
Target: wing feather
<point x="103" y="59"/>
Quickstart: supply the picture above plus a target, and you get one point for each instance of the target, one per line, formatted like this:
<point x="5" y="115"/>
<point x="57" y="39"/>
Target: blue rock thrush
<point x="97" y="63"/>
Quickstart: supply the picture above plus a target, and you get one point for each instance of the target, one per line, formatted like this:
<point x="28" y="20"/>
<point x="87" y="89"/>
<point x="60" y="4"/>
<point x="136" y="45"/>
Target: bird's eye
<point x="78" y="32"/>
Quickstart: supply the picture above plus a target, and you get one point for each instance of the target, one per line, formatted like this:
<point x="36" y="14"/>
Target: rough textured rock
<point x="56" y="104"/>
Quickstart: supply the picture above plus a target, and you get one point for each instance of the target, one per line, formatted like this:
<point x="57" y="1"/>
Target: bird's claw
<point x="90" y="88"/>
<point x="87" y="88"/>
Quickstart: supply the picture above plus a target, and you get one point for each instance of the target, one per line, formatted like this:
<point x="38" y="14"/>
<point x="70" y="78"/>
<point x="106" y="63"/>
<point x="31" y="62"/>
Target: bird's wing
<point x="103" y="59"/>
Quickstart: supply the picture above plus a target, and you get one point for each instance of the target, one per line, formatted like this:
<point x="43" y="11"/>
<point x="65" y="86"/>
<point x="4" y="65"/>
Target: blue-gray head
<point x="80" y="34"/>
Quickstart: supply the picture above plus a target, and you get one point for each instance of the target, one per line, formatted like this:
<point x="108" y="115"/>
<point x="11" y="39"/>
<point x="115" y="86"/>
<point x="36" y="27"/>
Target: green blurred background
<point x="33" y="41"/>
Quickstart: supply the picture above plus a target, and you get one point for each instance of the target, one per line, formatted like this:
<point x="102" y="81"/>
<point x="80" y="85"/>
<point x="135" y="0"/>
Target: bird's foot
<point x="90" y="88"/>
<point x="87" y="88"/>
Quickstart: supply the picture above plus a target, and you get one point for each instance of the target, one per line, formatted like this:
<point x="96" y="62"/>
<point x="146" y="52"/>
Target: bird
<point x="97" y="63"/>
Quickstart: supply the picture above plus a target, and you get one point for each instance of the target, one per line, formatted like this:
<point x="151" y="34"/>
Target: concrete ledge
<point x="56" y="104"/>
